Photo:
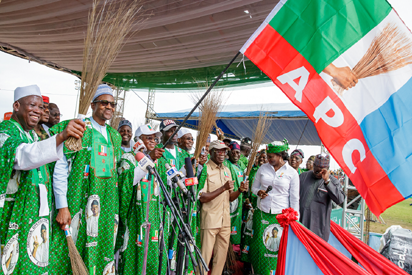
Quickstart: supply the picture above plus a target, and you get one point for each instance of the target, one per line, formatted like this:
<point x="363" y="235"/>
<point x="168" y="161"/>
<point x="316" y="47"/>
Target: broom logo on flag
<point x="102" y="151"/>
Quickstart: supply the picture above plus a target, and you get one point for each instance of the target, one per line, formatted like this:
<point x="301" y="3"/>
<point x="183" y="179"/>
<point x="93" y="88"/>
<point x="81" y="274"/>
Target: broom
<point x="389" y="51"/>
<point x="107" y="29"/>
<point x="209" y="108"/>
<point x="78" y="266"/>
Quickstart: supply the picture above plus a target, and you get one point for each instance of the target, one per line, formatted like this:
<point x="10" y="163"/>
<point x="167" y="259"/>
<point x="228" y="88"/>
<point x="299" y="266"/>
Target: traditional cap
<point x="124" y="122"/>
<point x="167" y="124"/>
<point x="146" y="130"/>
<point x="182" y="132"/>
<point x="45" y="99"/>
<point x="322" y="161"/>
<point x="8" y="115"/>
<point x="298" y="152"/>
<point x="234" y="146"/>
<point x="246" y="140"/>
<point x="21" y="92"/>
<point x="217" y="144"/>
<point x="138" y="145"/>
<point x="103" y="89"/>
<point x="278" y="146"/>
<point x="312" y="158"/>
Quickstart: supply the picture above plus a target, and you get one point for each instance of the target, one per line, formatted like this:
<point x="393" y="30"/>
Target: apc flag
<point x="346" y="64"/>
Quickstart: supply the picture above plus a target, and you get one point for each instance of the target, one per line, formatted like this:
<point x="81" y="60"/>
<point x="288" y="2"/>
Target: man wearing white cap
<point x="83" y="178"/>
<point x="25" y="184"/>
<point x="185" y="141"/>
<point x="216" y="193"/>
<point x="134" y="197"/>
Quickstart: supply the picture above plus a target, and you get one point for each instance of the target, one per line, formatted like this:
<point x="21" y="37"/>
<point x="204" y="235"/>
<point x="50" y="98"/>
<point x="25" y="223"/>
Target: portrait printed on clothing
<point x="14" y="182"/>
<point x="75" y="225"/>
<point x="110" y="269"/>
<point x="249" y="221"/>
<point x="139" y="192"/>
<point x="10" y="255"/>
<point x="92" y="215"/>
<point x="116" y="227"/>
<point x="233" y="206"/>
<point x="38" y="243"/>
<point x="271" y="237"/>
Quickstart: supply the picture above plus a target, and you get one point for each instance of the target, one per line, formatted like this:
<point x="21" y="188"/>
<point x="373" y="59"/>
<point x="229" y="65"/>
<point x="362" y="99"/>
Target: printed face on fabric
<point x="38" y="243"/>
<point x="92" y="215"/>
<point x="28" y="111"/>
<point x="10" y="255"/>
<point x="271" y="237"/>
<point x="101" y="110"/>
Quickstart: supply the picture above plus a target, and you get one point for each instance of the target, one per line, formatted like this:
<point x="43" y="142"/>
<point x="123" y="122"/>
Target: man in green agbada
<point x="133" y="195"/>
<point x="85" y="185"/>
<point x="25" y="185"/>
<point x="236" y="206"/>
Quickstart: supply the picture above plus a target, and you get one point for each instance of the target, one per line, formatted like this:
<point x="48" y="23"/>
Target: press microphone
<point x="190" y="177"/>
<point x="269" y="189"/>
<point x="145" y="163"/>
<point x="174" y="176"/>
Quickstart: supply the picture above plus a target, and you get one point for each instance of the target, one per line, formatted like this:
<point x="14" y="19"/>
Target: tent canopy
<point x="237" y="121"/>
<point x="184" y="41"/>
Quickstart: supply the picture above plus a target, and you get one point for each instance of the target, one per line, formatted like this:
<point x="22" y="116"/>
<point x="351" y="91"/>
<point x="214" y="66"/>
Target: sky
<point x="60" y="87"/>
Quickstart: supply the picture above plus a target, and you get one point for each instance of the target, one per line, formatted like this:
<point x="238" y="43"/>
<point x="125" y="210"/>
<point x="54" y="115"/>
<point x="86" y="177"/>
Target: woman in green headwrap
<point x="284" y="181"/>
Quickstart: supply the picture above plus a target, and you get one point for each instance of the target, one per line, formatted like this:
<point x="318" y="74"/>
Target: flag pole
<point x="201" y="99"/>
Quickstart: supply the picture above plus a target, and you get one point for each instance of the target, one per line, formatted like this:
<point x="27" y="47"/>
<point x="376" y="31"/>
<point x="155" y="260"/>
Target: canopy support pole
<point x="201" y="99"/>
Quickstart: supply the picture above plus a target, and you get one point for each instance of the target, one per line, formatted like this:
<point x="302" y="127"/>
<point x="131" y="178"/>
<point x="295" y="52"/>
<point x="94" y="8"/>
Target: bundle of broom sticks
<point x="389" y="51"/>
<point x="209" y="108"/>
<point x="110" y="23"/>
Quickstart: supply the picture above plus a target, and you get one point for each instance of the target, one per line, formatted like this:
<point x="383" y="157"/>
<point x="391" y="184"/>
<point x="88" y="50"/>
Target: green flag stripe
<point x="322" y="30"/>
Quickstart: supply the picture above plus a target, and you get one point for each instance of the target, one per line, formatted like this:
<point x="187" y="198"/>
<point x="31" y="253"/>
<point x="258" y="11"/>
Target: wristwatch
<point x="327" y="182"/>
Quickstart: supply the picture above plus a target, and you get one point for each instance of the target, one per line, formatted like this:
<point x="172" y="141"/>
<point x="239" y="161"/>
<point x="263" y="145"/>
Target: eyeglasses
<point x="56" y="115"/>
<point x="105" y="103"/>
<point x="150" y="138"/>
<point x="221" y="152"/>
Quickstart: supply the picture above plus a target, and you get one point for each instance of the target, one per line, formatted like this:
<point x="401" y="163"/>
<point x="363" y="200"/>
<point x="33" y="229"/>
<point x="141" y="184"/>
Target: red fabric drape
<point x="371" y="260"/>
<point x="329" y="260"/>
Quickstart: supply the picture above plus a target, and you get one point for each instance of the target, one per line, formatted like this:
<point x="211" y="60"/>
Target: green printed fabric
<point x="24" y="236"/>
<point x="133" y="205"/>
<point x="92" y="200"/>
<point x="236" y="206"/>
<point x="322" y="30"/>
<point x="243" y="162"/>
<point x="264" y="247"/>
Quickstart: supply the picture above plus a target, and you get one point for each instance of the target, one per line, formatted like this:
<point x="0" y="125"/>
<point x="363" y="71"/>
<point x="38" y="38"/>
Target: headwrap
<point x="43" y="227"/>
<point x="21" y="92"/>
<point x="234" y="146"/>
<point x="298" y="152"/>
<point x="278" y="146"/>
<point x="7" y="115"/>
<point x="95" y="202"/>
<point x="124" y="122"/>
<point x="322" y="161"/>
<point x="46" y="99"/>
<point x="138" y="145"/>
<point x="103" y="89"/>
<point x="182" y="132"/>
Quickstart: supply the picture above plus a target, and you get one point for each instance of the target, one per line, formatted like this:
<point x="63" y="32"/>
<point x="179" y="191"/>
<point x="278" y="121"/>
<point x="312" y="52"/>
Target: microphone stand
<point x="147" y="225"/>
<point x="162" y="243"/>
<point x="186" y="234"/>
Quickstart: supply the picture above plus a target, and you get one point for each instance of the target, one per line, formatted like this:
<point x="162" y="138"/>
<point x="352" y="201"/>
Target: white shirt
<point x="172" y="151"/>
<point x="61" y="172"/>
<point x="42" y="253"/>
<point x="285" y="192"/>
<point x="93" y="225"/>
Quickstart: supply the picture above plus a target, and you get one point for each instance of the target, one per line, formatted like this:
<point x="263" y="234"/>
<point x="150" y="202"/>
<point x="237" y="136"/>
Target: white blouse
<point x="285" y="192"/>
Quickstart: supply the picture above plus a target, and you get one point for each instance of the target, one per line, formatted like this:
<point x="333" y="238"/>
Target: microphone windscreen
<point x="189" y="168"/>
<point x="269" y="188"/>
<point x="139" y="156"/>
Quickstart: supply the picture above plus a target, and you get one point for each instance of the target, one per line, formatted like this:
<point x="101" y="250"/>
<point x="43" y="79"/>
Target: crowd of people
<point x="106" y="199"/>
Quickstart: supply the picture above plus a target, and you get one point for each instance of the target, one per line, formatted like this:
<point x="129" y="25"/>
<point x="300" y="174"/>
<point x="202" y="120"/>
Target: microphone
<point x="144" y="163"/>
<point x="190" y="177"/>
<point x="174" y="176"/>
<point x="269" y="189"/>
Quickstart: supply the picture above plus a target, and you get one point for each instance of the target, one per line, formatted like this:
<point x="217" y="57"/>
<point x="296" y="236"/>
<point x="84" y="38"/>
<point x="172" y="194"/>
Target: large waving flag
<point x="346" y="64"/>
